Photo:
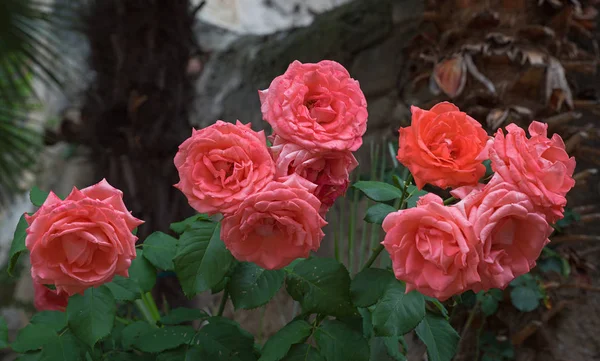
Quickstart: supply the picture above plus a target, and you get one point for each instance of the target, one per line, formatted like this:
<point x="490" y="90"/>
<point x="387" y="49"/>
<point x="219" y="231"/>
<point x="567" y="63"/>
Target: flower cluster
<point x="274" y="200"/>
<point x="497" y="230"/>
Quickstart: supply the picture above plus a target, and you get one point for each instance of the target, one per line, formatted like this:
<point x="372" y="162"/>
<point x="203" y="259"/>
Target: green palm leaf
<point x="29" y="49"/>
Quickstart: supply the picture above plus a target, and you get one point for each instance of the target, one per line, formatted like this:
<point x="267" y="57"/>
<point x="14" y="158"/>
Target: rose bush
<point x="266" y="209"/>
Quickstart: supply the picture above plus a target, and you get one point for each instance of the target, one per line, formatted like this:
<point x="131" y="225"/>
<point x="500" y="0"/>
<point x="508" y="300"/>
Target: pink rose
<point x="275" y="226"/>
<point x="328" y="169"/>
<point x="316" y="106"/>
<point x="512" y="232"/>
<point x="539" y="167"/>
<point x="82" y="241"/>
<point x="221" y="165"/>
<point x="433" y="248"/>
<point x="46" y="299"/>
<point x="443" y="147"/>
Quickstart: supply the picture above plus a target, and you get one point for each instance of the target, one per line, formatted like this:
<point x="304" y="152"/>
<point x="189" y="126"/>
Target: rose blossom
<point x="539" y="167"/>
<point x="221" y="165"/>
<point x="328" y="169"/>
<point x="433" y="248"/>
<point x="316" y="106"/>
<point x="82" y="241"/>
<point x="511" y="231"/>
<point x="275" y="226"/>
<point x="46" y="299"/>
<point x="443" y="147"/>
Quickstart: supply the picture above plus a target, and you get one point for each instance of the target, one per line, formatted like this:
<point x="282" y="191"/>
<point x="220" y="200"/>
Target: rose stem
<point x="449" y="200"/>
<point x="363" y="237"/>
<point x="149" y="301"/>
<point x="352" y="230"/>
<point x="223" y="301"/>
<point x="145" y="311"/>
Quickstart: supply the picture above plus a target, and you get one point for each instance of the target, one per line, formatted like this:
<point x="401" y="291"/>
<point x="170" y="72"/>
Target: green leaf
<point x="132" y="332"/>
<point x="202" y="259"/>
<point x="386" y="349"/>
<point x="223" y="339"/>
<point x="377" y="213"/>
<point x="252" y="286"/>
<point x="182" y="314"/>
<point x="124" y="289"/>
<point x="160" y="249"/>
<point x="142" y="272"/>
<point x="303" y="352"/>
<point x="37" y="196"/>
<point x="33" y="337"/>
<point x="188" y="223"/>
<point x="439" y="306"/>
<point x="368" y="286"/>
<point x="489" y="301"/>
<point x="18" y="244"/>
<point x="91" y="316"/>
<point x="31" y="356"/>
<point x="321" y="285"/>
<point x="525" y="299"/>
<point x="338" y="342"/>
<point x="413" y="195"/>
<point x="57" y="320"/>
<point x="439" y="337"/>
<point x="280" y="343"/>
<point x="3" y="334"/>
<point x="378" y="191"/>
<point x="65" y="347"/>
<point x="398" y="312"/>
<point x="161" y="339"/>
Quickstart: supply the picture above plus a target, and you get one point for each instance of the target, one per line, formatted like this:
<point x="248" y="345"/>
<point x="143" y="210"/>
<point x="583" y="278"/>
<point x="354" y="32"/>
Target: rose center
<point x="267" y="227"/>
<point x="433" y="245"/>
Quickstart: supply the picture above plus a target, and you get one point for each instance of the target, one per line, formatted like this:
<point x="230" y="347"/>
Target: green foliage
<point x="251" y="286"/>
<point x="526" y="293"/>
<point x="398" y="312"/>
<point x="279" y="344"/>
<point x="37" y="196"/>
<point x="33" y="337"/>
<point x="181" y="315"/>
<point x="3" y="334"/>
<point x="386" y="349"/>
<point x="368" y="286"/>
<point x="202" y="260"/>
<point x="439" y="337"/>
<point x="188" y="223"/>
<point x="377" y="213"/>
<point x="142" y="277"/>
<point x="321" y="285"/>
<point x="223" y="339"/>
<point x="569" y="218"/>
<point x="131" y="334"/>
<point x="552" y="261"/>
<point x="378" y="191"/>
<point x="489" y="301"/>
<point x="338" y="342"/>
<point x="160" y="249"/>
<point x="57" y="320"/>
<point x="166" y="338"/>
<point x="91" y="315"/>
<point x="303" y="352"/>
<point x="412" y="196"/>
<point x="494" y="350"/>
<point x="18" y="244"/>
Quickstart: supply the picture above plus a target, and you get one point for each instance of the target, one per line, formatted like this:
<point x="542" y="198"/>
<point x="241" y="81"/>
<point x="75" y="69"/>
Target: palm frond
<point x="29" y="50"/>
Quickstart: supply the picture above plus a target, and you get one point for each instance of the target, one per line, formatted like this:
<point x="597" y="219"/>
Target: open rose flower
<point x="512" y="232"/>
<point x="46" y="299"/>
<point x="221" y="165"/>
<point x="328" y="169"/>
<point x="539" y="167"/>
<point x="443" y="147"/>
<point x="275" y="226"/>
<point x="316" y="106"/>
<point x="82" y="241"/>
<point x="433" y="248"/>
